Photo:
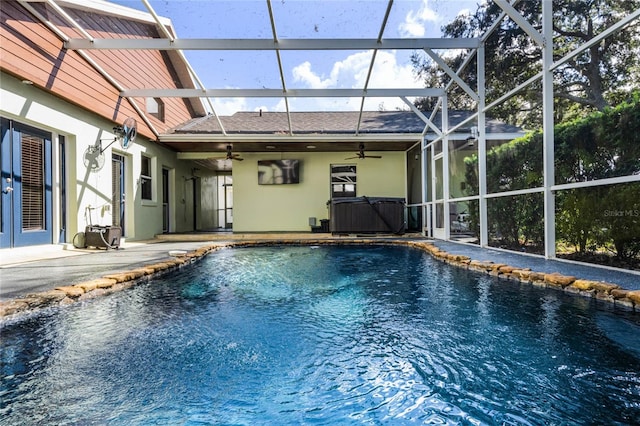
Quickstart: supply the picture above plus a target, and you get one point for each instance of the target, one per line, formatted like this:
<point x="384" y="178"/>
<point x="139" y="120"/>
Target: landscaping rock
<point x="557" y="279"/>
<point x="50" y="297"/>
<point x="88" y="285"/>
<point x="619" y="293"/>
<point x="157" y="266"/>
<point x="594" y="285"/>
<point x="634" y="296"/>
<point x="12" y="307"/>
<point x="93" y="294"/>
<point x="124" y="276"/>
<point x="72" y="291"/>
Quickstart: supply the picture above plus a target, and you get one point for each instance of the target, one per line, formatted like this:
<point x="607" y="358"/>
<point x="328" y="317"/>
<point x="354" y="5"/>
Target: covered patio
<point x="432" y="140"/>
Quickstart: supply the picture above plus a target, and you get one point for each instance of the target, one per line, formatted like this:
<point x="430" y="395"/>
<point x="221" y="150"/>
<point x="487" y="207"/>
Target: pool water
<point x="324" y="335"/>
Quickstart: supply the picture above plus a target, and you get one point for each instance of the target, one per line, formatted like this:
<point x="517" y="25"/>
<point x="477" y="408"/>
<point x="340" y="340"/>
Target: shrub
<point x="602" y="145"/>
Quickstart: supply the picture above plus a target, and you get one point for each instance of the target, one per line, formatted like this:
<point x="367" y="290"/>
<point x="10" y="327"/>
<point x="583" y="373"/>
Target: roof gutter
<point x="314" y="137"/>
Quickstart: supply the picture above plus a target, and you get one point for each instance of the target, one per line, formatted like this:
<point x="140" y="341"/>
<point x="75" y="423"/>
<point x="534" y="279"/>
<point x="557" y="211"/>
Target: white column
<point x="445" y="166"/>
<point x="424" y="186"/>
<point x="548" y="137"/>
<point x="482" y="148"/>
<point x="434" y="191"/>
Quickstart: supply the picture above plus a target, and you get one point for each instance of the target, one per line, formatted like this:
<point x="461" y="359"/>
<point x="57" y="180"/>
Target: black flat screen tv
<point x="278" y="172"/>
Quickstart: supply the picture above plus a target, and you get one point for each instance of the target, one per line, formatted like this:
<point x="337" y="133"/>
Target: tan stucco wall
<point x="262" y="208"/>
<point x="30" y="105"/>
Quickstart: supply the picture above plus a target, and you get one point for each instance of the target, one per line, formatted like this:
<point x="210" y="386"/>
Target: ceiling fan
<point x="230" y="155"/>
<point x="361" y="155"/>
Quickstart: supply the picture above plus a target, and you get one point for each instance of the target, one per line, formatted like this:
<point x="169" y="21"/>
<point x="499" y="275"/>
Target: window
<point x="343" y="180"/>
<point x="33" y="182"/>
<point x="155" y="107"/>
<point x="145" y="178"/>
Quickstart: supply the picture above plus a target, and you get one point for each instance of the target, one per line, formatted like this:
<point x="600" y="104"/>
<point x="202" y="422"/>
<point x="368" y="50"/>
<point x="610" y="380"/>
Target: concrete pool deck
<point x="629" y="280"/>
<point x="25" y="272"/>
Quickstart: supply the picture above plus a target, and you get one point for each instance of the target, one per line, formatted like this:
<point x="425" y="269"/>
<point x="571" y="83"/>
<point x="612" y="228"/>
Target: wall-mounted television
<point x="278" y="172"/>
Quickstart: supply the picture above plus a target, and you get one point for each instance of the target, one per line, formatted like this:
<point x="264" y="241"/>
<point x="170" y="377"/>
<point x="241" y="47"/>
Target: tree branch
<point x="576" y="99"/>
<point x="578" y="34"/>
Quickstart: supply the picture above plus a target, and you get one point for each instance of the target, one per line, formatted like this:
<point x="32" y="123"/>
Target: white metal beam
<point x="597" y="39"/>
<point x="159" y="24"/>
<point x="482" y="150"/>
<point x="373" y="61"/>
<point x="70" y="20"/>
<point x="426" y="218"/>
<point x="280" y="68"/>
<point x="515" y="193"/>
<point x="446" y="191"/>
<point x="428" y="123"/>
<point x="451" y="73"/>
<point x="597" y="182"/>
<point x="519" y="19"/>
<point x="279" y="93"/>
<point x="469" y="57"/>
<point x="513" y="91"/>
<point x="548" y="154"/>
<point x="180" y="53"/>
<point x="266" y="44"/>
<point x="91" y="62"/>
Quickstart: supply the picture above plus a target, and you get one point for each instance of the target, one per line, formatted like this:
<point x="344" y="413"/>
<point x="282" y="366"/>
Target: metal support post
<point x="548" y="136"/>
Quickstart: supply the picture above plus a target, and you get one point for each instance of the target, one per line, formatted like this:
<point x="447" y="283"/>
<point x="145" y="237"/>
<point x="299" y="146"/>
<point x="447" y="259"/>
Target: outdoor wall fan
<point x="230" y="155"/>
<point x="126" y="134"/>
<point x="361" y="155"/>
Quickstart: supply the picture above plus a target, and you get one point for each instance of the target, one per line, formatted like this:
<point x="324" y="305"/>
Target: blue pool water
<point x="323" y="335"/>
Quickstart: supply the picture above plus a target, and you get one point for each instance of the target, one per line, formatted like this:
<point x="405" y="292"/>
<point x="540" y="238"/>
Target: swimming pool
<point x="325" y="335"/>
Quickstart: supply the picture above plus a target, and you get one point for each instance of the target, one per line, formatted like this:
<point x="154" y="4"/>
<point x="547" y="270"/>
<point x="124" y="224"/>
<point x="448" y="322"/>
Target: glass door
<point x="117" y="191"/>
<point x="26" y="181"/>
<point x="225" y="201"/>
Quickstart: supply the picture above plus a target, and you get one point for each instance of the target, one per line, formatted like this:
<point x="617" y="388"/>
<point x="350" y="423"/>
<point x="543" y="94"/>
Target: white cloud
<point x="352" y="72"/>
<point x="229" y="106"/>
<point x="303" y="73"/>
<point x="349" y="72"/>
<point x="414" y="22"/>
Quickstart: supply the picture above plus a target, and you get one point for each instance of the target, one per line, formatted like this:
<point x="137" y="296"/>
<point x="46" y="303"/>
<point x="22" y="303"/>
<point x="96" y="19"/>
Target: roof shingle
<point x="330" y="122"/>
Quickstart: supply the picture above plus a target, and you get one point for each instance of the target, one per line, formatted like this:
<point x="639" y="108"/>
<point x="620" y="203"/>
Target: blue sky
<point x="309" y="69"/>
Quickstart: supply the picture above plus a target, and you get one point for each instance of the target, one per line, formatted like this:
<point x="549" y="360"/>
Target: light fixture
<point x="311" y="147"/>
<point x="474" y="136"/>
<point x="29" y="82"/>
<point x="270" y="147"/>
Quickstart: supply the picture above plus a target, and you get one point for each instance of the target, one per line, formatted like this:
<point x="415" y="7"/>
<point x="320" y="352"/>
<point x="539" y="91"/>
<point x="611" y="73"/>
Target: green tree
<point x="577" y="215"/>
<point x="603" y="145"/>
<point x="591" y="79"/>
<point x="620" y="218"/>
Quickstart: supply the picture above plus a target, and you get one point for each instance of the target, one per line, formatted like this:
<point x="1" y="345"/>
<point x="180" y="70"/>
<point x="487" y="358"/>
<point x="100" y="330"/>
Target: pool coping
<point x="64" y="295"/>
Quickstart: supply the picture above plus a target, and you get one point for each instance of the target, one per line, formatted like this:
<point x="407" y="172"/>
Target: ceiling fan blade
<point x="352" y="158"/>
<point x="373" y="156"/>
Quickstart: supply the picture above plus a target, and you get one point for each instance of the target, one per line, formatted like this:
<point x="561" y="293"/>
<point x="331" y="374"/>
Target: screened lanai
<point x="463" y="189"/>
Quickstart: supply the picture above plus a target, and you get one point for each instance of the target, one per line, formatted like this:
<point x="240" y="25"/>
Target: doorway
<point x="118" y="191"/>
<point x="26" y="182"/>
<point x="225" y="202"/>
<point x="165" y="201"/>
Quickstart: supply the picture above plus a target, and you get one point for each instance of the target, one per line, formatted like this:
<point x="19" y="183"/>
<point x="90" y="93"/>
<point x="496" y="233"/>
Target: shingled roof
<point x="329" y="122"/>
